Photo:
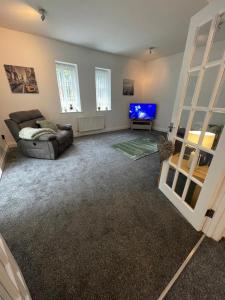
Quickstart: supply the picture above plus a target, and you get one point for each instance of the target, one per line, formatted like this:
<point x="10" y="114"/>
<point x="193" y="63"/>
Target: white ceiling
<point x="126" y="27"/>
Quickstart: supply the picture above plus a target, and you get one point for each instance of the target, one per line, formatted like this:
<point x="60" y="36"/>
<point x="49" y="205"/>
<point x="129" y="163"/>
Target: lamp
<point x="208" y="139"/>
<point x="193" y="137"/>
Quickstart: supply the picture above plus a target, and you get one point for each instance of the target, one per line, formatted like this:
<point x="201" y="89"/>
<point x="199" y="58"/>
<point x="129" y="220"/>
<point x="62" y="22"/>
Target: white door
<point x="12" y="284"/>
<point x="192" y="176"/>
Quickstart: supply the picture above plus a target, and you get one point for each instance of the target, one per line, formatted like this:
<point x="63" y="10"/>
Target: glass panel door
<point x="200" y="119"/>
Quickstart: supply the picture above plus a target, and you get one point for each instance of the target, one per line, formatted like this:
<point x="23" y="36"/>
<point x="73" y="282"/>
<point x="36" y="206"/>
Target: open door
<point x="12" y="284"/>
<point x="192" y="176"/>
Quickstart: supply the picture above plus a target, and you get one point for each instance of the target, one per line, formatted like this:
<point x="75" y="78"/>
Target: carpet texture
<point x="92" y="224"/>
<point x="137" y="148"/>
<point x="204" y="277"/>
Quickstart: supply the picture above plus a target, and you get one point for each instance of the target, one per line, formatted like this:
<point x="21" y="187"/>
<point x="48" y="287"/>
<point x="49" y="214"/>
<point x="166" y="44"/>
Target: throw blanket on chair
<point x="29" y="133"/>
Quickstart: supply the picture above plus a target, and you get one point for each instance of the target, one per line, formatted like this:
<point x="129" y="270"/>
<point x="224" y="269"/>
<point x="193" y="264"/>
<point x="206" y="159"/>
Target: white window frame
<point x="109" y="91"/>
<point x="65" y="106"/>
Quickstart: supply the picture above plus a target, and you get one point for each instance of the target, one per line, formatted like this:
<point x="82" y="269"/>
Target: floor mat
<point x="137" y="148"/>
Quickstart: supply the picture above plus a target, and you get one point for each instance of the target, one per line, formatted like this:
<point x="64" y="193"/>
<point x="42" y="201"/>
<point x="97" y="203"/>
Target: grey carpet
<point x="92" y="224"/>
<point x="204" y="277"/>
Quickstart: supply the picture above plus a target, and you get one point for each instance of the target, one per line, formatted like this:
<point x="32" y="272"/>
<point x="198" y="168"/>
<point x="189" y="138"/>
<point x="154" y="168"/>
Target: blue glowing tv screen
<point x="142" y="111"/>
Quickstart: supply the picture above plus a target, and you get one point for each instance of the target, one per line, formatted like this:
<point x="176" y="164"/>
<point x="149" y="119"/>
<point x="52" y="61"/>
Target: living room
<point x="93" y="208"/>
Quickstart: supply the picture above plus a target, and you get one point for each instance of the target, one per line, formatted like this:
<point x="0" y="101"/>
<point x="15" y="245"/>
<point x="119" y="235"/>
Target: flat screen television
<point x="142" y="111"/>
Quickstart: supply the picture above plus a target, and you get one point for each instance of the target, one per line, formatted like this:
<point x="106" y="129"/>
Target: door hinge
<point x="210" y="213"/>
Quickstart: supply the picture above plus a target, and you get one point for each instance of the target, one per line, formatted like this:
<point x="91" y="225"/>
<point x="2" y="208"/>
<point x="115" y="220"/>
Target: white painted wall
<point x="160" y="86"/>
<point x="161" y="81"/>
<point x="23" y="49"/>
<point x="155" y="81"/>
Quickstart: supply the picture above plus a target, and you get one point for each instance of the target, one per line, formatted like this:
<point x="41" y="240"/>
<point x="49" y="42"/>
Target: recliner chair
<point x="49" y="146"/>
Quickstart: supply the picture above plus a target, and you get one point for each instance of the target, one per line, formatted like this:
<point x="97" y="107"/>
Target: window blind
<point x="68" y="84"/>
<point x="103" y="89"/>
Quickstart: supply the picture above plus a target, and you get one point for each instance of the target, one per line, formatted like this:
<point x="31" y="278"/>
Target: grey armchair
<point x="49" y="146"/>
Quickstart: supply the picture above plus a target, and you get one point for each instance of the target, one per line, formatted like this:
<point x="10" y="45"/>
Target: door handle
<point x="171" y="127"/>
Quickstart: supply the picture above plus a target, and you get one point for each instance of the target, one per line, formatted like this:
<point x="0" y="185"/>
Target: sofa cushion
<point x="47" y="137"/>
<point x="14" y="128"/>
<point x="47" y="124"/>
<point x="30" y="123"/>
<point x="22" y="116"/>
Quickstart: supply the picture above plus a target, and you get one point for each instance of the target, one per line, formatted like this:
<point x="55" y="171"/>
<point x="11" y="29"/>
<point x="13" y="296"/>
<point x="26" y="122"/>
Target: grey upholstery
<point x="64" y="127"/>
<point x="49" y="146"/>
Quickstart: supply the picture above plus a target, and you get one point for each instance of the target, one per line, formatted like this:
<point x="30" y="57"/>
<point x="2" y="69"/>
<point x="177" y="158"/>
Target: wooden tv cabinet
<point x="141" y="124"/>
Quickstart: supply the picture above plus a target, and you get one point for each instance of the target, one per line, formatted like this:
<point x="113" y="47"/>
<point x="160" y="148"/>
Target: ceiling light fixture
<point x="150" y="49"/>
<point x="43" y="13"/>
<point x="221" y="21"/>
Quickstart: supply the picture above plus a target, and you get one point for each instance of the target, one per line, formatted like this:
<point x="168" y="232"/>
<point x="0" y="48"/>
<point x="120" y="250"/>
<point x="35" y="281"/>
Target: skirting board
<point x="12" y="145"/>
<point x="2" y="161"/>
<point x="157" y="128"/>
<point x="77" y="134"/>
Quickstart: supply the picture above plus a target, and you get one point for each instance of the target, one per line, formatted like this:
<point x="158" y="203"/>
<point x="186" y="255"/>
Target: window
<point x="103" y="89"/>
<point x="68" y="83"/>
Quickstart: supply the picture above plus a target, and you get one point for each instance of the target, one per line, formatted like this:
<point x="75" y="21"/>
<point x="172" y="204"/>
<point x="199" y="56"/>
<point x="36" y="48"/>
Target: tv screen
<point x="142" y="111"/>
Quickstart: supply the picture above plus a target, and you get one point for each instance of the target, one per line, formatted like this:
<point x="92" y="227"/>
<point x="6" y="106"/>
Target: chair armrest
<point x="47" y="137"/>
<point x="64" y="127"/>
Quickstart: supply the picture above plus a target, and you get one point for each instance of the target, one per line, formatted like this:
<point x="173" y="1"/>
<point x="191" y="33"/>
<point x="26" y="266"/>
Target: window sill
<point x="103" y="110"/>
<point x="70" y="112"/>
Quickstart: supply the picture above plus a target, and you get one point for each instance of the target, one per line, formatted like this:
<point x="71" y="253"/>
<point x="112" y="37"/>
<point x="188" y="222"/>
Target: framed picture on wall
<point x="22" y="80"/>
<point x="128" y="87"/>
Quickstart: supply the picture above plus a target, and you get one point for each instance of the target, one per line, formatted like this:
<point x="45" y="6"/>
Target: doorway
<point x="192" y="176"/>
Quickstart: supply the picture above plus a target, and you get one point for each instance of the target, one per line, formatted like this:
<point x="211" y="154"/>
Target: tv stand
<point x="141" y="124"/>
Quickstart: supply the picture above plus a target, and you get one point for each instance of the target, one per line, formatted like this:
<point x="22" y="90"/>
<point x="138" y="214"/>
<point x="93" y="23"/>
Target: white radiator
<point x="91" y="123"/>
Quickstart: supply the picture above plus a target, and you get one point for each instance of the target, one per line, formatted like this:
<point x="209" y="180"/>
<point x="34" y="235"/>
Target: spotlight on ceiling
<point x="151" y="49"/>
<point x="43" y="13"/>
<point x="221" y="21"/>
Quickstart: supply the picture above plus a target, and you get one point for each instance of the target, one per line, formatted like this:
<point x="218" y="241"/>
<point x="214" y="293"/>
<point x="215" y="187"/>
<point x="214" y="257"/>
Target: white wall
<point x="17" y="48"/>
<point x="160" y="86"/>
<point x="161" y="81"/>
<point x="155" y="81"/>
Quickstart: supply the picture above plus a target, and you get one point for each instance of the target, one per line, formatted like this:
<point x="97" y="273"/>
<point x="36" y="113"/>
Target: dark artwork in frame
<point x="128" y="87"/>
<point x="22" y="80"/>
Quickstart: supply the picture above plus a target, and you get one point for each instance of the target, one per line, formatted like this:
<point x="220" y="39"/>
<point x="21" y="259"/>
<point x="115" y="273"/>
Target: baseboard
<point x="2" y="160"/>
<point x="77" y="134"/>
<point x="12" y="145"/>
<point x="157" y="128"/>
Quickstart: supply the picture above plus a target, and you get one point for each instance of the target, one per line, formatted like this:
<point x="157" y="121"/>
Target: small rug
<point x="137" y="148"/>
